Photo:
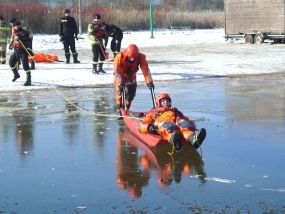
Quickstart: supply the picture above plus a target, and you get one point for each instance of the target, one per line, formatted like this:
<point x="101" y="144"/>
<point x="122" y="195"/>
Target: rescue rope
<point x="172" y="151"/>
<point x="83" y="110"/>
<point x="27" y="51"/>
<point x="103" y="51"/>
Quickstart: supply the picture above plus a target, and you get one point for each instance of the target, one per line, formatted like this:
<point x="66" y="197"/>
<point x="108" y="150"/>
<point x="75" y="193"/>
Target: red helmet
<point x="161" y="96"/>
<point x="132" y="51"/>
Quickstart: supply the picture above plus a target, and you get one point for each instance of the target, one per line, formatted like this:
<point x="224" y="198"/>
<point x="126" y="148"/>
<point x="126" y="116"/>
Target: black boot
<point x="33" y="65"/>
<point x="95" y="70"/>
<point x="67" y="56"/>
<point x="176" y="141"/>
<point x="28" y="80"/>
<point x="75" y="55"/>
<point x="101" y="68"/>
<point x="16" y="75"/>
<point x="196" y="140"/>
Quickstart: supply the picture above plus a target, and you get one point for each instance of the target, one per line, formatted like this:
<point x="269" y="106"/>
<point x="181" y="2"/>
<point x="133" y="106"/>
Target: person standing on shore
<point x="117" y="36"/>
<point x="5" y="34"/>
<point x="20" y="42"/>
<point x="96" y="34"/>
<point x="68" y="33"/>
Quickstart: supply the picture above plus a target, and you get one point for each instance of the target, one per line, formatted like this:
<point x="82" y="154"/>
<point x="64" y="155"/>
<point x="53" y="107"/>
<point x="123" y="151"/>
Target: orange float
<point x="54" y="58"/>
<point x="41" y="57"/>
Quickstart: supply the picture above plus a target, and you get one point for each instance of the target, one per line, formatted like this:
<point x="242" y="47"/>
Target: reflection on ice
<point x="135" y="162"/>
<point x="275" y="190"/>
<point x="222" y="180"/>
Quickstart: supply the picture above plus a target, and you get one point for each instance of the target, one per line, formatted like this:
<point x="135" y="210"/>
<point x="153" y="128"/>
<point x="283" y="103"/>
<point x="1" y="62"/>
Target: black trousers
<point x="116" y="46"/>
<point x="69" y="42"/>
<point x="30" y="49"/>
<point x="98" y="53"/>
<point x="19" y="54"/>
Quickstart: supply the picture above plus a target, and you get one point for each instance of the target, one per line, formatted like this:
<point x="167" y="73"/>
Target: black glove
<point x="61" y="39"/>
<point x="152" y="128"/>
<point x="11" y="47"/>
<point x="76" y="38"/>
<point x="121" y="87"/>
<point x="150" y="85"/>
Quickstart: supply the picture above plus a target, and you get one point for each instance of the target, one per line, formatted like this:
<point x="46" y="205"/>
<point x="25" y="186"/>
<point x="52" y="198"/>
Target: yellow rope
<point x="93" y="113"/>
<point x="172" y="152"/>
<point x="27" y="51"/>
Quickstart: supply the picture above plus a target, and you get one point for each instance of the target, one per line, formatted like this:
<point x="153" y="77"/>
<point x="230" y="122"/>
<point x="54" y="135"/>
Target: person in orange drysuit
<point x="171" y="124"/>
<point x="126" y="65"/>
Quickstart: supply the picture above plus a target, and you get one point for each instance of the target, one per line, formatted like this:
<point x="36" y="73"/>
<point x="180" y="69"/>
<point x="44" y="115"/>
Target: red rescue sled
<point x="132" y="119"/>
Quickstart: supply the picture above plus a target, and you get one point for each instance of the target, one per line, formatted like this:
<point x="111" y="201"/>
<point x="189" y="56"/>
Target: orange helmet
<point x="132" y="51"/>
<point x="161" y="96"/>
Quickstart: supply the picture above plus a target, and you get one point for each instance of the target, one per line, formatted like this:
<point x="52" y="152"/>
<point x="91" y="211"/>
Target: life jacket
<point x="98" y="32"/>
<point x="167" y="114"/>
<point x="23" y="37"/>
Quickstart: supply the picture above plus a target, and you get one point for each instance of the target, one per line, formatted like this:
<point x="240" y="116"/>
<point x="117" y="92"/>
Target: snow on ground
<point x="171" y="56"/>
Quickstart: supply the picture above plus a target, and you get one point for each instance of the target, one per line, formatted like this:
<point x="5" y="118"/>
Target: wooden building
<point x="255" y="20"/>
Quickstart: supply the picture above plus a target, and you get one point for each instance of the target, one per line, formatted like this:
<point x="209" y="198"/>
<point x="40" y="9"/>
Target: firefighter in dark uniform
<point x="5" y="34"/>
<point x="30" y="48"/>
<point x="117" y="35"/>
<point x="96" y="35"/>
<point x="20" y="42"/>
<point x="68" y="33"/>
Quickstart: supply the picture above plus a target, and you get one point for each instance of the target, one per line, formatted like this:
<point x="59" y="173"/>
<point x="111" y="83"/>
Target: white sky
<point x="179" y="60"/>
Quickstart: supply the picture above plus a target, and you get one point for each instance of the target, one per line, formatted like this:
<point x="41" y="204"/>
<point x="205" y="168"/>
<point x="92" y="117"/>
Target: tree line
<point x="43" y="16"/>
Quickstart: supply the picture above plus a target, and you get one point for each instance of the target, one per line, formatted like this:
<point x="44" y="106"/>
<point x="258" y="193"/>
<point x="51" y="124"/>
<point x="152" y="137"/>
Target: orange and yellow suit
<point x="167" y="121"/>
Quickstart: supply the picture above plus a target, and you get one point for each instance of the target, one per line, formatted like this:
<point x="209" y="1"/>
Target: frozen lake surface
<point x="64" y="151"/>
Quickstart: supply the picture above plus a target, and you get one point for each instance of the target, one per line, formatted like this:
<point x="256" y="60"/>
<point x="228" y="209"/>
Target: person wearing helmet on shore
<point x="96" y="34"/>
<point x="67" y="33"/>
<point x="171" y="124"/>
<point x="126" y="65"/>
